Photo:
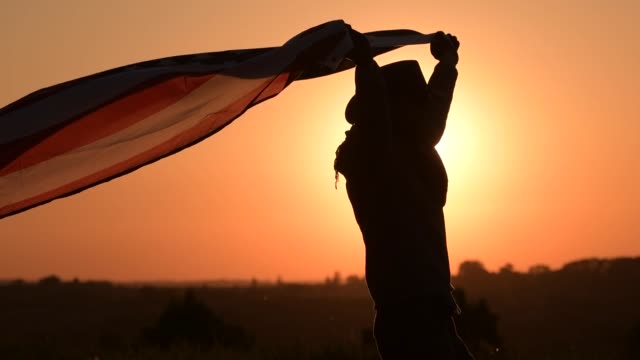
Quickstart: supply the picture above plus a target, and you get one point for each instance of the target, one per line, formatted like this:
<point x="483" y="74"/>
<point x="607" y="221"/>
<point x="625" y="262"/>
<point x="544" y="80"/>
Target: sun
<point x="459" y="143"/>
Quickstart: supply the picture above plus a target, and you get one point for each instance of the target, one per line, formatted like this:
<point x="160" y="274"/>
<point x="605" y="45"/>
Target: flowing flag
<point x="68" y="137"/>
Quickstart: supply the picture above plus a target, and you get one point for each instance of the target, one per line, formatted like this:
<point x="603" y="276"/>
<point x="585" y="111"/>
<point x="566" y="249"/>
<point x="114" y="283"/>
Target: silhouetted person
<point x="397" y="185"/>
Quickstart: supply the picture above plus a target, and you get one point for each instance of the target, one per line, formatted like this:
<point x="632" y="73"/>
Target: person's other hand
<point x="445" y="48"/>
<point x="361" y="51"/>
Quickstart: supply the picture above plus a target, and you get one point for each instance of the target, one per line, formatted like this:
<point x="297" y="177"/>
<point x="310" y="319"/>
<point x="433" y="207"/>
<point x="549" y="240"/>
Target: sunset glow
<point x="541" y="145"/>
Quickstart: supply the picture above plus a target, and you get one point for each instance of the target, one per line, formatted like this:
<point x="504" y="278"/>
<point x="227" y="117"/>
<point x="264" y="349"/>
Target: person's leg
<point x="410" y="331"/>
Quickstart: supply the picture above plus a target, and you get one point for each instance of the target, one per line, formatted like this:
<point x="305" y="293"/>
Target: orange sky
<point x="541" y="147"/>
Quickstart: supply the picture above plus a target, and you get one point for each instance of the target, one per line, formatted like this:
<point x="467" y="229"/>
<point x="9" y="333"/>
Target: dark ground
<point x="586" y="310"/>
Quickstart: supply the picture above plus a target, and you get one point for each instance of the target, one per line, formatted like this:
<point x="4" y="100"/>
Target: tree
<point x="337" y="278"/>
<point x="190" y="321"/>
<point x="50" y="280"/>
<point x="539" y="269"/>
<point x="354" y="280"/>
<point x="507" y="269"/>
<point x="472" y="268"/>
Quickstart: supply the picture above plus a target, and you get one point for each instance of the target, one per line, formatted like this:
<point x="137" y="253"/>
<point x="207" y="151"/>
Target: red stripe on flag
<point x="204" y="128"/>
<point x="98" y="124"/>
<point x="274" y="88"/>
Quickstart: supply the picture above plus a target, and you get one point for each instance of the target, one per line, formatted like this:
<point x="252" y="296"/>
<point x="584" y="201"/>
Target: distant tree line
<point x="586" y="309"/>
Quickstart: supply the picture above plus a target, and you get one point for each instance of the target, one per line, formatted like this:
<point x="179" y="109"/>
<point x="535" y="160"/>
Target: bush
<point x="191" y="322"/>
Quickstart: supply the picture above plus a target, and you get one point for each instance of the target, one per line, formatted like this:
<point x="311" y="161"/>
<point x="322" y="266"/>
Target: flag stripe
<point x="103" y="172"/>
<point x="99" y="124"/>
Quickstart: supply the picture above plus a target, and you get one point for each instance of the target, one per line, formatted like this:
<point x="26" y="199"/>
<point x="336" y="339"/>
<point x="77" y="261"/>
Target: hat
<point x="403" y="79"/>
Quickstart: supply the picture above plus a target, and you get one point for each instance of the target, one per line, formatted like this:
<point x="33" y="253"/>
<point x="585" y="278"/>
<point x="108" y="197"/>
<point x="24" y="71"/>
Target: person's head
<point x="404" y="80"/>
<point x="406" y="90"/>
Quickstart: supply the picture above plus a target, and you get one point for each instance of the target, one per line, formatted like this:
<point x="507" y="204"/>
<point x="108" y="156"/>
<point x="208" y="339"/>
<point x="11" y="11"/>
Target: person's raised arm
<point x="441" y="85"/>
<point x="370" y="109"/>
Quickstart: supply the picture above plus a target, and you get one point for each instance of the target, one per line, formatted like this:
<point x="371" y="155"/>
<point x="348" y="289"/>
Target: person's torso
<point x="398" y="203"/>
